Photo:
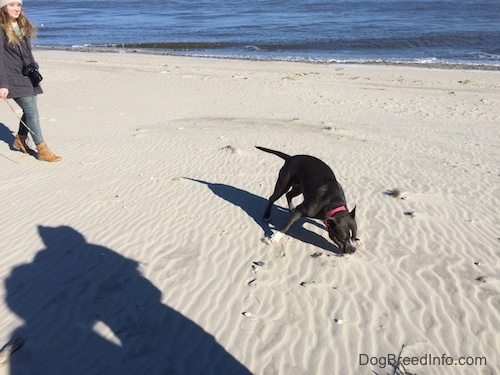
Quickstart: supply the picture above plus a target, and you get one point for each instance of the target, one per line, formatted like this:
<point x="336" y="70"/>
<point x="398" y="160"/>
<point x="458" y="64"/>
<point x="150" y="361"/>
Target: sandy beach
<point x="141" y="251"/>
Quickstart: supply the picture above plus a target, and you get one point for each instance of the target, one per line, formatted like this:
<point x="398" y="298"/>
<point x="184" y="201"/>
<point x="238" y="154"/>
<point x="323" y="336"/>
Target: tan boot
<point x="20" y="144"/>
<point x="45" y="154"/>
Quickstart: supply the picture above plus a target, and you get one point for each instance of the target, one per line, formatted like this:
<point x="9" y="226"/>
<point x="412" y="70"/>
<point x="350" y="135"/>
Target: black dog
<point x="323" y="198"/>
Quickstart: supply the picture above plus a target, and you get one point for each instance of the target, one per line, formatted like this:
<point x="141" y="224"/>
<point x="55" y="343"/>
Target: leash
<point x="19" y="118"/>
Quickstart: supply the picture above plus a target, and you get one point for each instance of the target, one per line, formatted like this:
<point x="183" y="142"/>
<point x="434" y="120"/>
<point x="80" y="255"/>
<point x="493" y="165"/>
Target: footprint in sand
<point x="256" y="266"/>
<point x="251" y="305"/>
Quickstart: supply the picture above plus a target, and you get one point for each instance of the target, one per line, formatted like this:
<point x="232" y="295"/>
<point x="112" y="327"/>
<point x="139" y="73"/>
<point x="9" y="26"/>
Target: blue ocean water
<point x="408" y="31"/>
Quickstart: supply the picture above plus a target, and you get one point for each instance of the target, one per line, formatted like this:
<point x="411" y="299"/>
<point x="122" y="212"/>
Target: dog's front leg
<point x="277" y="236"/>
<point x="292" y="218"/>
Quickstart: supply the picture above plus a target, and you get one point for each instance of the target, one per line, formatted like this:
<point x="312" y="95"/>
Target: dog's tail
<point x="277" y="153"/>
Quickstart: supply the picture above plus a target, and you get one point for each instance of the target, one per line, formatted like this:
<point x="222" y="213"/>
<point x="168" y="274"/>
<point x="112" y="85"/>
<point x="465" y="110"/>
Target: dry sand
<point x="141" y="251"/>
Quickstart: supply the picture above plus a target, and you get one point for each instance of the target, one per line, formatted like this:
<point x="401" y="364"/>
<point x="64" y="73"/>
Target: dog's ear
<point x="353" y="213"/>
<point x="331" y="221"/>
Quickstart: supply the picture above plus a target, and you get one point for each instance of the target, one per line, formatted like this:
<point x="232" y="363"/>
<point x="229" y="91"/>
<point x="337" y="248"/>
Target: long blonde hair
<point x="27" y="28"/>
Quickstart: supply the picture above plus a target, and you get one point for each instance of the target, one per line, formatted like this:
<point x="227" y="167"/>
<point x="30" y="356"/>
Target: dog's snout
<point x="347" y="246"/>
<point x="350" y="249"/>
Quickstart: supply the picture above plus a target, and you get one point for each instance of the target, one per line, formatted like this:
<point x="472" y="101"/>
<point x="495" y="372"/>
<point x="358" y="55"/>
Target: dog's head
<point x="342" y="230"/>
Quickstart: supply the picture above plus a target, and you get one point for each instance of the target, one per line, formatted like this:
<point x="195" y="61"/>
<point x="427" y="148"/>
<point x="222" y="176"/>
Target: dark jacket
<point x="11" y="68"/>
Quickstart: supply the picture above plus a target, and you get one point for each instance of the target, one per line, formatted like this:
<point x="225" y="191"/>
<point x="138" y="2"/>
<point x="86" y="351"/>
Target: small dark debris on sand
<point x="410" y="214"/>
<point x="231" y="149"/>
<point x="481" y="279"/>
<point x="395" y="193"/>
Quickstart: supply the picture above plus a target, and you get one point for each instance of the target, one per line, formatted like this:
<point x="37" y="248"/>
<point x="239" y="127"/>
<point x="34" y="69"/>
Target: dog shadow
<point x="86" y="309"/>
<point x="255" y="205"/>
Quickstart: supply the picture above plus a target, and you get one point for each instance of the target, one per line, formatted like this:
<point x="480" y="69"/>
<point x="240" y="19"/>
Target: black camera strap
<point x="21" y="51"/>
<point x="30" y="70"/>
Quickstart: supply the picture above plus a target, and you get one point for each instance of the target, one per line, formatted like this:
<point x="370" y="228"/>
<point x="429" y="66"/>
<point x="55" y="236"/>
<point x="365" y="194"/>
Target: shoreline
<point x="424" y="65"/>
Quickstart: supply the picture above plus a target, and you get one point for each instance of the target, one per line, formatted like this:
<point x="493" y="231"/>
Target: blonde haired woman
<point x="19" y="76"/>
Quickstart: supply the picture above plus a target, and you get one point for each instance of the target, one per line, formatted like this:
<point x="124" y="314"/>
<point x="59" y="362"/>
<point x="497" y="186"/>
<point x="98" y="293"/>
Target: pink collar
<point x="333" y="212"/>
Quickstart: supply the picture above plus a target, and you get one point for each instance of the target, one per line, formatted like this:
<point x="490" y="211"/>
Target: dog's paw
<point x="358" y="242"/>
<point x="274" y="238"/>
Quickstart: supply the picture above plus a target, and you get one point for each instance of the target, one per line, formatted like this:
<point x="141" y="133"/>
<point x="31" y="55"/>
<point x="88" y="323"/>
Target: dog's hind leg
<point x="273" y="198"/>
<point x="282" y="186"/>
<point x="296" y="190"/>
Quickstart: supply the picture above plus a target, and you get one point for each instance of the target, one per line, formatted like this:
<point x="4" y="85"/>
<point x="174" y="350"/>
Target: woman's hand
<point x="3" y="93"/>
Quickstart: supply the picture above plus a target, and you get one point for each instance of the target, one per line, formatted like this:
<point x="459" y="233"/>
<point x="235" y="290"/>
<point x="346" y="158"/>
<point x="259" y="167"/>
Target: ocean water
<point x="417" y="31"/>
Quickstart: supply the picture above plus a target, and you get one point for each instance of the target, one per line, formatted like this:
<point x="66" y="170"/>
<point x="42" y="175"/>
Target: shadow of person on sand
<point x="254" y="206"/>
<point x="6" y="135"/>
<point x="88" y="310"/>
